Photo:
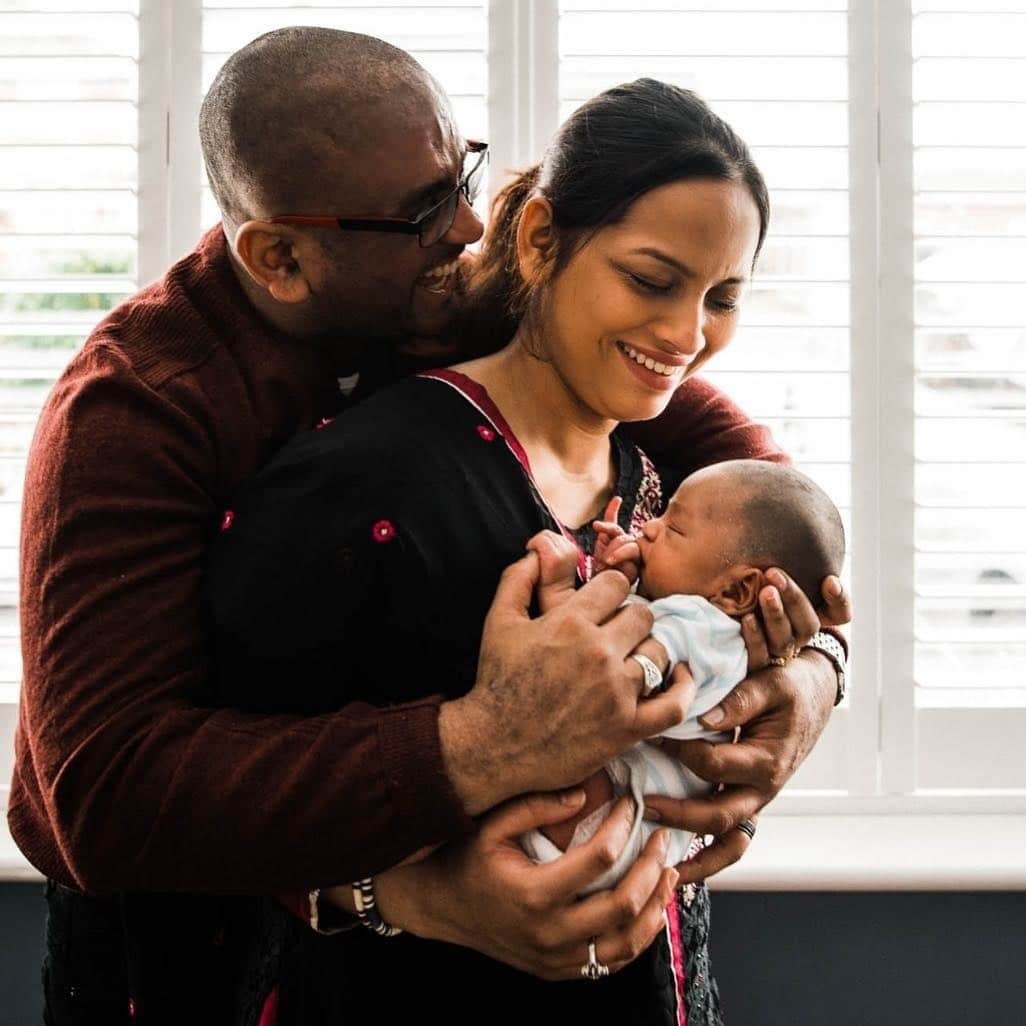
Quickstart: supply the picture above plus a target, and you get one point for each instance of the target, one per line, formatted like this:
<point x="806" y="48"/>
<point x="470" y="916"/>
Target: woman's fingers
<point x="627" y="918"/>
<point x="530" y="812"/>
<point x="579" y="866"/>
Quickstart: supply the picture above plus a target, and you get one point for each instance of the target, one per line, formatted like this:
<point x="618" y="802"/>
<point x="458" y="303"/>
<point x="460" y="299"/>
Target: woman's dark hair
<point x="611" y="151"/>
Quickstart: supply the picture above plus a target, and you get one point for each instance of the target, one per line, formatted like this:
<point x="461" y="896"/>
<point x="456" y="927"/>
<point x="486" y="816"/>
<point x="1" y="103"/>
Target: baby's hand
<point x="614" y="547"/>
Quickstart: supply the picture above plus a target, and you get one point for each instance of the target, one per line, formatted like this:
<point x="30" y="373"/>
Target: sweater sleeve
<point x="702" y="426"/>
<point x="125" y="779"/>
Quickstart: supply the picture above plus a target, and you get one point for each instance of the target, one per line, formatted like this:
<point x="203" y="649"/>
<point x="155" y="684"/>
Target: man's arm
<point x="124" y="779"/>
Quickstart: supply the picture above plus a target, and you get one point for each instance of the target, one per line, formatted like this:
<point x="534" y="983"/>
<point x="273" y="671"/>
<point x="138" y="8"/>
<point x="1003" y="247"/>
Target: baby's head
<point x="728" y="523"/>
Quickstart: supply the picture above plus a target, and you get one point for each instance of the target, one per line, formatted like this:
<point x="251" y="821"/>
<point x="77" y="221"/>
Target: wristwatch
<point x="834" y="651"/>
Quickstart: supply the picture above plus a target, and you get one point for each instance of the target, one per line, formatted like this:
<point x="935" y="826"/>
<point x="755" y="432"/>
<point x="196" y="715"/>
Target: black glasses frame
<point x="429" y="225"/>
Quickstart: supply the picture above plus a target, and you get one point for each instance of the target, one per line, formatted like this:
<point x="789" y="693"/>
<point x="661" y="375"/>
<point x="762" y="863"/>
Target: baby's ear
<point x="738" y="591"/>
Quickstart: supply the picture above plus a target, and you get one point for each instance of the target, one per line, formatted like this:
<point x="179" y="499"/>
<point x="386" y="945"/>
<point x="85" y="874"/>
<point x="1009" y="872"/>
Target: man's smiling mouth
<point x="440" y="279"/>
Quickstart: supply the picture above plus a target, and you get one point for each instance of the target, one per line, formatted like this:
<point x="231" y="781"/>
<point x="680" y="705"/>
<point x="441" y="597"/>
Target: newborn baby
<point x="700" y="566"/>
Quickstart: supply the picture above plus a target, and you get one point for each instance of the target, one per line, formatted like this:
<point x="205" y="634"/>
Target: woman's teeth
<point x="647" y="361"/>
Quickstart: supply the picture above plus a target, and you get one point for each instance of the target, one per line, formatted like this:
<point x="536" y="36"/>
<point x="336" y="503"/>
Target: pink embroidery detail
<point x="323" y="423"/>
<point x="677" y="956"/>
<point x="228" y="519"/>
<point x="383" y="531"/>
<point x="486" y="432"/>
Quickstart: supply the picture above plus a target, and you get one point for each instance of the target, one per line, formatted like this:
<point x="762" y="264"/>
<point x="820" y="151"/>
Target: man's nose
<point x="650" y="529"/>
<point x="467" y="227"/>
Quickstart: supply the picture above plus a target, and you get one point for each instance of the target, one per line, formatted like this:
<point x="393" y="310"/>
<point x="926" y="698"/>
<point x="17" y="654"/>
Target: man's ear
<point x="269" y="256"/>
<point x="535" y="236"/>
<point x="738" y="590"/>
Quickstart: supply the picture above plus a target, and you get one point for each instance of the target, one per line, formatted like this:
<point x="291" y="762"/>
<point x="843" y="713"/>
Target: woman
<point x="611" y="272"/>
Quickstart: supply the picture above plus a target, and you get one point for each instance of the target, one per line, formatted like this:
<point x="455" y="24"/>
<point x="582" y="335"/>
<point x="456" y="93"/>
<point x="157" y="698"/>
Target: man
<point x="339" y="174"/>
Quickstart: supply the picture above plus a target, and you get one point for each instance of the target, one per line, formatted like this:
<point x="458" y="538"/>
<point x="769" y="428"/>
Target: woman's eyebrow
<point x="673" y="262"/>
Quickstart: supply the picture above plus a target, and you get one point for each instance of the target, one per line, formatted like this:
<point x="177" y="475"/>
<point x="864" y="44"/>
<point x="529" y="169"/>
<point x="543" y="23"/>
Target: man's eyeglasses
<point x="430" y="225"/>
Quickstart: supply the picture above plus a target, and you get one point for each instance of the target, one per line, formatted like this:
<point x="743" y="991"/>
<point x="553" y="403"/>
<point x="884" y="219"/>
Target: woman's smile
<point x="659" y="372"/>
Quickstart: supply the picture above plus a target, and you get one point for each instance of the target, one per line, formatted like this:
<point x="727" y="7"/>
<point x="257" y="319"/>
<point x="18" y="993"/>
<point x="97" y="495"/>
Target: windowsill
<point x="859" y="852"/>
<point x="13" y="867"/>
<point x="834" y="853"/>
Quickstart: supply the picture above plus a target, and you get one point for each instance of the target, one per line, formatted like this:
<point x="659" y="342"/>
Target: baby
<point x="700" y="566"/>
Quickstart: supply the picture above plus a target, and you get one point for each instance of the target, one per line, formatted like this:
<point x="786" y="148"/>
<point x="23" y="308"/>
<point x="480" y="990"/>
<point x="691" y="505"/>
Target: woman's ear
<point x="535" y="237"/>
<point x="269" y="256"/>
<point x="738" y="591"/>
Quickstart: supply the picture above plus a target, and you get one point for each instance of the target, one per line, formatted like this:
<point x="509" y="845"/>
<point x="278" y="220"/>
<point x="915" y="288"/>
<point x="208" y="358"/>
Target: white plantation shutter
<point x="68" y="176"/>
<point x="969" y="309"/>
<point x="778" y="73"/>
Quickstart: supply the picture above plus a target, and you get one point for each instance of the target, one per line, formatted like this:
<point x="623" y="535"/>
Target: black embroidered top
<point x="358" y="566"/>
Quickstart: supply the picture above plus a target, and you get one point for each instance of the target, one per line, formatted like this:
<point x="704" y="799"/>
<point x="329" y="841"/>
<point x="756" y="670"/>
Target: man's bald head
<point x="291" y="111"/>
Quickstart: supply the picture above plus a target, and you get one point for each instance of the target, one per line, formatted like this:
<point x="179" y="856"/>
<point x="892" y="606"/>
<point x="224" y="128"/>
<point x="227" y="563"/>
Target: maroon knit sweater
<point x="124" y="779"/>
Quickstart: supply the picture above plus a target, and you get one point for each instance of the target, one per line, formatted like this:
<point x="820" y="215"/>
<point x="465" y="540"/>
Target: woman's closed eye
<point x="725" y="304"/>
<point x="648" y="286"/>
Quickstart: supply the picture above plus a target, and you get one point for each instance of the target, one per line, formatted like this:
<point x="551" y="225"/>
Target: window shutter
<point x="68" y="172"/>
<point x="969" y="151"/>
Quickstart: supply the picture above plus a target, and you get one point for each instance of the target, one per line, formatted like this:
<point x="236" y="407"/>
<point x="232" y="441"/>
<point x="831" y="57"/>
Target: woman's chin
<point x="645" y="410"/>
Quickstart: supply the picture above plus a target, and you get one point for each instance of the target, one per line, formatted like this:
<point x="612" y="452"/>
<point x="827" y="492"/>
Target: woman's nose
<point x="683" y="329"/>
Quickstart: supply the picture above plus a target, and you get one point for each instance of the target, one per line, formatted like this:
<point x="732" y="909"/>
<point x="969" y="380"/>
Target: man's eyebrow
<point x="673" y="262"/>
<point x="413" y="202"/>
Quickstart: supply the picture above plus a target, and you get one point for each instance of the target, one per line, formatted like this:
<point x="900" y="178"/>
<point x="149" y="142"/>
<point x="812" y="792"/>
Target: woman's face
<point x="647" y="301"/>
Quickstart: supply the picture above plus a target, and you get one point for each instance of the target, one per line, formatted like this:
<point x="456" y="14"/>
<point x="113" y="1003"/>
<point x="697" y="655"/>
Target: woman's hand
<point x="486" y="894"/>
<point x="781" y="712"/>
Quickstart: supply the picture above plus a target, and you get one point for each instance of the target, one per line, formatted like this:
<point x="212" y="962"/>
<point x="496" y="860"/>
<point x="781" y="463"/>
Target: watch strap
<point x="834" y="651"/>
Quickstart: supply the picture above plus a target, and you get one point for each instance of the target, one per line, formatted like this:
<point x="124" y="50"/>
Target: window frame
<point x="878" y="743"/>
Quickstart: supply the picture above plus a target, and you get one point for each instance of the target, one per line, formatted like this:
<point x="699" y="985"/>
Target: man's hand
<point x="485" y="893"/>
<point x="789" y="619"/>
<point x="556" y="697"/>
<point x="781" y="712"/>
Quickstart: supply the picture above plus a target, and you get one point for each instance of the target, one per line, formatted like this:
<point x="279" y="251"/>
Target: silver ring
<point x="747" y="826"/>
<point x="593" y="969"/>
<point x="653" y="678"/>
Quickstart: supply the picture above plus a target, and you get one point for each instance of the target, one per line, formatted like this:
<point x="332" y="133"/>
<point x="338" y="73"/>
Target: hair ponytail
<point x="497" y="295"/>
